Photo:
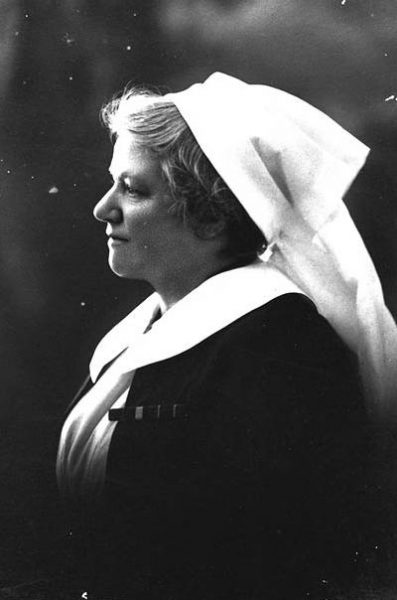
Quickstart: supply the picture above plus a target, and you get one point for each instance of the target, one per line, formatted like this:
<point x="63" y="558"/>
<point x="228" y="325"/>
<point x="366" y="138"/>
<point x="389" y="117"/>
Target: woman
<point x="220" y="448"/>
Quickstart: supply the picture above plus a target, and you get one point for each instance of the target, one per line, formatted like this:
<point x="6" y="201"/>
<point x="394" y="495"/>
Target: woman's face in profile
<point x="145" y="240"/>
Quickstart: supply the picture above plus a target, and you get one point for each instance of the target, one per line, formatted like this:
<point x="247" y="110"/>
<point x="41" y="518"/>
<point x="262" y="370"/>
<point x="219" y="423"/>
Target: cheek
<point x="152" y="230"/>
<point x="145" y="237"/>
<point x="138" y="223"/>
<point x="151" y="223"/>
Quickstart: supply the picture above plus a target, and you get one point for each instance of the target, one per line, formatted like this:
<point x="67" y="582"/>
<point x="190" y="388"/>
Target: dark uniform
<point x="237" y="469"/>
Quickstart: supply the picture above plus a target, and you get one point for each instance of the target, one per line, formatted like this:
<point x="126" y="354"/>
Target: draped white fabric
<point x="289" y="165"/>
<point x="86" y="435"/>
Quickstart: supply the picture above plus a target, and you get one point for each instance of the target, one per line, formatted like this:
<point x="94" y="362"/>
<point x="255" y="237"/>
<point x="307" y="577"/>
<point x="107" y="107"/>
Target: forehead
<point x="129" y="157"/>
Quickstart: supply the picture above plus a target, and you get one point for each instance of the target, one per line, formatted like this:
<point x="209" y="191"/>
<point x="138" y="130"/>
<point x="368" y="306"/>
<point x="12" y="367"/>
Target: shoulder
<point x="283" y="341"/>
<point x="288" y="328"/>
<point x="286" y="358"/>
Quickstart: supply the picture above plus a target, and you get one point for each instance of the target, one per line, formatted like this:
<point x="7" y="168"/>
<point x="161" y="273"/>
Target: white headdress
<point x="290" y="165"/>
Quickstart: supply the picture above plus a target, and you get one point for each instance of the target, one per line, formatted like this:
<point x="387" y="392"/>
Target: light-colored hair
<point x="200" y="196"/>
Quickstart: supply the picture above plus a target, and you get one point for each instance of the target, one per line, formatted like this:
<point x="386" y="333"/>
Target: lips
<point x="116" y="238"/>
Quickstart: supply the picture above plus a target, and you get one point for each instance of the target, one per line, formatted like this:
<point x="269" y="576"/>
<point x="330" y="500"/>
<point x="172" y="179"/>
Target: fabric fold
<point x="290" y="165"/>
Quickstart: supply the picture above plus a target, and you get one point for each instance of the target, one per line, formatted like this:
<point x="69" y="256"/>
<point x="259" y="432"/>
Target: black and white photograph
<point x="198" y="294"/>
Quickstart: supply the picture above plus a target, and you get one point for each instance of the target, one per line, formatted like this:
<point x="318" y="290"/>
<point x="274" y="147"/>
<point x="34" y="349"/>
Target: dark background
<point x="59" y="61"/>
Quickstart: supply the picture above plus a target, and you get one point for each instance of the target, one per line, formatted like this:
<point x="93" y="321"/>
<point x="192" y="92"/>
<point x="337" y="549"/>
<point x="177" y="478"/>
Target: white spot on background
<point x="68" y="39"/>
<point x="53" y="190"/>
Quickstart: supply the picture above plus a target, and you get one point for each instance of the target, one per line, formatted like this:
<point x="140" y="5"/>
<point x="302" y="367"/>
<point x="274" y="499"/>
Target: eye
<point x="131" y="190"/>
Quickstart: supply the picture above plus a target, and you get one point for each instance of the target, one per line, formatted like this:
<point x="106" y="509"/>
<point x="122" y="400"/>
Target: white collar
<point x="209" y="308"/>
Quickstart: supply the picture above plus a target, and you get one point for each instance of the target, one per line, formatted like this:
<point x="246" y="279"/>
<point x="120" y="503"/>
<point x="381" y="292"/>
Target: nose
<point x="107" y="209"/>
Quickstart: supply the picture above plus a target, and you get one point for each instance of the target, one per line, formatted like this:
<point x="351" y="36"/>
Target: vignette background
<point x="59" y="61"/>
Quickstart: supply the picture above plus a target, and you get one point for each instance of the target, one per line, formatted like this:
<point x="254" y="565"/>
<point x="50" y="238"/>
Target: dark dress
<point x="248" y="482"/>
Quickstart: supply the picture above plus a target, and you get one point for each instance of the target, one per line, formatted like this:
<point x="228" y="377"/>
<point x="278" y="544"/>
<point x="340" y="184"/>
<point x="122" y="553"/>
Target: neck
<point x="182" y="282"/>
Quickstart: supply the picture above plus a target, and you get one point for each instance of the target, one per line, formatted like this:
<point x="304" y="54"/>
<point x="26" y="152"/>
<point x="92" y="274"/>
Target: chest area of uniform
<point x="179" y="424"/>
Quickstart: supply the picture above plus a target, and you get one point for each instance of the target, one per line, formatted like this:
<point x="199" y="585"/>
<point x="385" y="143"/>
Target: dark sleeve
<point x="310" y="452"/>
<point x="291" y="427"/>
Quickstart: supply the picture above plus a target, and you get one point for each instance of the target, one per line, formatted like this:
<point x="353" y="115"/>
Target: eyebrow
<point x="125" y="174"/>
<point x="137" y="180"/>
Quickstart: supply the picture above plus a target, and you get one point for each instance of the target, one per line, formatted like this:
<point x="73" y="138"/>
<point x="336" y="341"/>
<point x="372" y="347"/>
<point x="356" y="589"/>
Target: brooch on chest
<point x="152" y="412"/>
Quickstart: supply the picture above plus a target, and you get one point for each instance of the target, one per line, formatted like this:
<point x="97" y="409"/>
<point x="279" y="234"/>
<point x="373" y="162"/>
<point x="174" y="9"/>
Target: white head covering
<point x="290" y="165"/>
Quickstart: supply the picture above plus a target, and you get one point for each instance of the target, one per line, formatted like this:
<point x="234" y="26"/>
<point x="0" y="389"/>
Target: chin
<point x="124" y="271"/>
<point x="117" y="268"/>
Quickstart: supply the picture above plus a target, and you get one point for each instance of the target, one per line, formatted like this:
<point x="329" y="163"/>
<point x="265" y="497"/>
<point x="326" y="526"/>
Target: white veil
<point x="290" y="165"/>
